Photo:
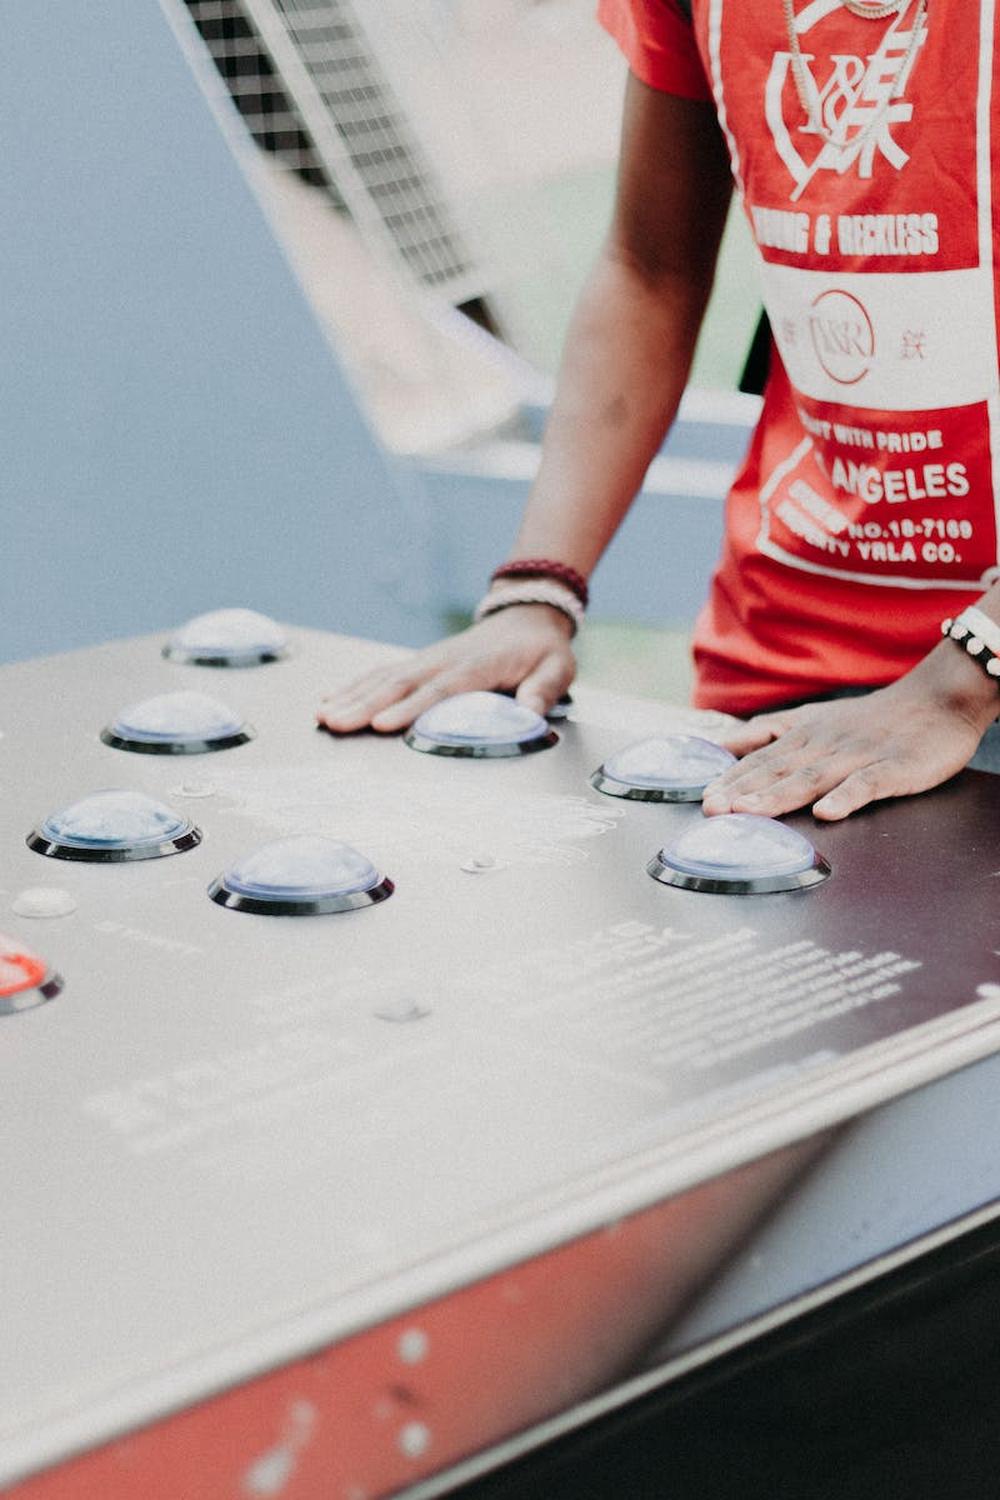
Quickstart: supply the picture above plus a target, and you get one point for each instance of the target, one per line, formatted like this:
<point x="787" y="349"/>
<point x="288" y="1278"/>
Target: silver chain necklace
<point x="802" y="82"/>
<point x="873" y="12"/>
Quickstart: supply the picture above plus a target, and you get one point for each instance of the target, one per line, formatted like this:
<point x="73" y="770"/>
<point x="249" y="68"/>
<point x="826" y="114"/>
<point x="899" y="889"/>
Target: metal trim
<point x="507" y="749"/>
<point x="249" y="659"/>
<point x="763" y="885"/>
<point x="562" y="708"/>
<point x="612" y="787"/>
<point x="52" y="985"/>
<point x="319" y="906"/>
<point x="177" y="747"/>
<point x="38" y="841"/>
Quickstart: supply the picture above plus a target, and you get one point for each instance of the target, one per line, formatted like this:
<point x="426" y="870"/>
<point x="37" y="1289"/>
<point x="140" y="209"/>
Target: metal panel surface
<point x="233" y="1139"/>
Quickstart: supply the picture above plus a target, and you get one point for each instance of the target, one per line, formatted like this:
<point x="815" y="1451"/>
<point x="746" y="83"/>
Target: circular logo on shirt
<point x="842" y="336"/>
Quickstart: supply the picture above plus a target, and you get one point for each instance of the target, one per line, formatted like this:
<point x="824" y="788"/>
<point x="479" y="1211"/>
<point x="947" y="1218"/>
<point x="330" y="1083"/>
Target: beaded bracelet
<point x="545" y="567"/>
<point x="538" y="591"/>
<point x="980" y="637"/>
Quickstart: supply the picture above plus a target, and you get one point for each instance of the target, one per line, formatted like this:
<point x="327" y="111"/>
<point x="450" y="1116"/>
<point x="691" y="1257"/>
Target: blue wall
<point x="656" y="571"/>
<point x="175" y="432"/>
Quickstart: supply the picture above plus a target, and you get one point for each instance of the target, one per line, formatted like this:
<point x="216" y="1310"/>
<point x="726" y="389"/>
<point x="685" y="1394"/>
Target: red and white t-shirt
<point x="867" y="507"/>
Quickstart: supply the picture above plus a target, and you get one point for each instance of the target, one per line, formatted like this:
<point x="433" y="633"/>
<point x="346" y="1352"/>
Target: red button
<point x="20" y="971"/>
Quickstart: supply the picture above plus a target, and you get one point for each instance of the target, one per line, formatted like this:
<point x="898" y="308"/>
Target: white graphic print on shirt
<point x="878" y="273"/>
<point x="856" y="90"/>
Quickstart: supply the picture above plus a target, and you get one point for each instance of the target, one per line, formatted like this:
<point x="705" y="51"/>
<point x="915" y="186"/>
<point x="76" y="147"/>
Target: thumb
<point x="546" y="683"/>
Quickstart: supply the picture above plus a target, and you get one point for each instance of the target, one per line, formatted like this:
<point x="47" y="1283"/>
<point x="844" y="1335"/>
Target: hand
<point x="526" y="647"/>
<point x="847" y="753"/>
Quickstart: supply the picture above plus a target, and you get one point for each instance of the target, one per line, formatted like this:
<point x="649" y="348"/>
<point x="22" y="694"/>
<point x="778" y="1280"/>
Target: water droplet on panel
<point x="478" y="864"/>
<point x="401" y="1011"/>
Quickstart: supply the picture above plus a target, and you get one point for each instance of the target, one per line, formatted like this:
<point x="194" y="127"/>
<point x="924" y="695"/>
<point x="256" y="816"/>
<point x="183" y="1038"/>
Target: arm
<point x="626" y="361"/>
<point x="840" y="756"/>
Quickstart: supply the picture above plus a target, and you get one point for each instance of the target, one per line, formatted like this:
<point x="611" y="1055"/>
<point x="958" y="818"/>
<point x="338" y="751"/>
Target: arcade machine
<point x="374" y="1107"/>
<point x="376" y="1110"/>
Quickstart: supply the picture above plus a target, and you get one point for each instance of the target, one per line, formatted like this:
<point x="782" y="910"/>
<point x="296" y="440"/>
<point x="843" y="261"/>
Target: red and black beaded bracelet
<point x="545" y="567"/>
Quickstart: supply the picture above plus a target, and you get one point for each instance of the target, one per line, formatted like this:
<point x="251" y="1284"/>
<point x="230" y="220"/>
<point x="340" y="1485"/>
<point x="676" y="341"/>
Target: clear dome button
<point x="299" y="877"/>
<point x="480" y="724"/>
<point x="739" y="854"/>
<point x="114" y="826"/>
<point x="672" y="768"/>
<point x="184" y="723"/>
<point x="228" y="638"/>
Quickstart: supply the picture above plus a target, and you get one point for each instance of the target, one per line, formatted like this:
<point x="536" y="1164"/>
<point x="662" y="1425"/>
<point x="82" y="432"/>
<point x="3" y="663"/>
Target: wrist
<point x="957" y="682"/>
<point x="534" y="614"/>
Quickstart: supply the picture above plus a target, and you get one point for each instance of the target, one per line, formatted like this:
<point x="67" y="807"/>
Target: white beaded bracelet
<point x="979" y="636"/>
<point x="532" y="591"/>
<point x="981" y="626"/>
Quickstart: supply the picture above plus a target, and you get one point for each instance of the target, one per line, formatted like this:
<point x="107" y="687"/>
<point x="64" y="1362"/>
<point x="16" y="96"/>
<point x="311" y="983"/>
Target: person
<point x="853" y="621"/>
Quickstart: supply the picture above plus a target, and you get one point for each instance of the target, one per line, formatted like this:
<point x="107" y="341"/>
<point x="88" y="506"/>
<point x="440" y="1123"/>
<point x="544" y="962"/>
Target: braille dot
<point x="193" y="789"/>
<point x="413" y="1346"/>
<point x="401" y="1011"/>
<point x="44" y="901"/>
<point x="414" y="1440"/>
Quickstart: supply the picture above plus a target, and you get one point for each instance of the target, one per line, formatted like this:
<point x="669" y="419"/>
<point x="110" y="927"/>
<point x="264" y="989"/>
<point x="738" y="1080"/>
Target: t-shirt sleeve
<point x="658" y="41"/>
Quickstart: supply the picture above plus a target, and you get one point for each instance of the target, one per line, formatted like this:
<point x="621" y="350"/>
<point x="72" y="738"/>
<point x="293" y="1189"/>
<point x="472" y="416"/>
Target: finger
<point x="402" y="712"/>
<point x="744" y="795"/>
<point x="763" y="767"/>
<point x="546" y="684"/>
<point x="358" y="696"/>
<point x="869" y="784"/>
<point x="791" y="789"/>
<point x="344" y="714"/>
<point x="351" y="688"/>
<point x="759" y="770"/>
<point x="761" y="730"/>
